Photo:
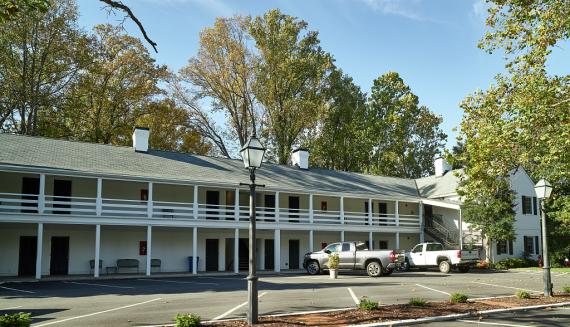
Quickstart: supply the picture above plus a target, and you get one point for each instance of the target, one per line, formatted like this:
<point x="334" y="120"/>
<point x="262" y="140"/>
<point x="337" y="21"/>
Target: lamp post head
<point x="543" y="189"/>
<point x="252" y="153"/>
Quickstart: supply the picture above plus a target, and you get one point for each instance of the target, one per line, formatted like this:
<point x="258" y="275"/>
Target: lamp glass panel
<point x="245" y="157"/>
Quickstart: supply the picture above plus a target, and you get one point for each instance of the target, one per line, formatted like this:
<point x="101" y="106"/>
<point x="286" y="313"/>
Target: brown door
<point x="293" y="254"/>
<point x="212" y="254"/>
<point x="62" y="192"/>
<point x="59" y="261"/>
<point x="27" y="255"/>
<point x="293" y="209"/>
<point x="30" y="187"/>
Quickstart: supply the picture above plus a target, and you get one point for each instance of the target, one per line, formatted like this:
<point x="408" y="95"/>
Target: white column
<point x="222" y="254"/>
<point x="42" y="194"/>
<point x="39" y="246"/>
<point x="342" y="210"/>
<point x="397" y="240"/>
<point x="370" y="212"/>
<point x="311" y="240"/>
<point x="461" y="230"/>
<point x="422" y="223"/>
<point x="148" y="248"/>
<point x="236" y="205"/>
<point x="97" y="250"/>
<point x="397" y="213"/>
<point x="277" y="207"/>
<point x="149" y="202"/>
<point x="195" y="206"/>
<point x="310" y="209"/>
<point x="236" y="251"/>
<point x="99" y="199"/>
<point x="195" y="249"/>
<point x="277" y="250"/>
<point x="370" y="241"/>
<point x="342" y="236"/>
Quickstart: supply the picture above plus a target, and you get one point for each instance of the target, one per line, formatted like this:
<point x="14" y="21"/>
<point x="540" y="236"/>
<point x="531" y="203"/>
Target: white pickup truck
<point x="426" y="255"/>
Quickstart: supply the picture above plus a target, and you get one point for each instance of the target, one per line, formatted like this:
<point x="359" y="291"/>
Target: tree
<point x="223" y="71"/>
<point x="290" y="78"/>
<point x="405" y="136"/>
<point x="41" y="55"/>
<point x="12" y="9"/>
<point x="169" y="129"/>
<point x="113" y="93"/>
<point x="341" y="140"/>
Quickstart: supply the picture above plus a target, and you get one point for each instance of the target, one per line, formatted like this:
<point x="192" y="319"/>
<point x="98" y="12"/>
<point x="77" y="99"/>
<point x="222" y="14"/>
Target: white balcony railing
<point x="122" y="208"/>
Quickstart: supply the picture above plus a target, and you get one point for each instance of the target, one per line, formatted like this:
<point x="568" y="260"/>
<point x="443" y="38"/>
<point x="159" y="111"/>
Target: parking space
<point x="154" y="301"/>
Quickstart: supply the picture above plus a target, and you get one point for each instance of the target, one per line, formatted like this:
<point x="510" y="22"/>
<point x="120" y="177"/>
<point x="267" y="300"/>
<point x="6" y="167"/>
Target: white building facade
<point x="65" y="206"/>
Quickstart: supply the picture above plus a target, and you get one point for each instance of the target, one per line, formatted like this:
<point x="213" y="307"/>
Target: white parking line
<point x="17" y="290"/>
<point x="433" y="289"/>
<point x="101" y="285"/>
<point x="177" y="281"/>
<point x="227" y="313"/>
<point x="514" y="288"/>
<point x="491" y="323"/>
<point x="97" y="313"/>
<point x="353" y="296"/>
<point x="11" y="308"/>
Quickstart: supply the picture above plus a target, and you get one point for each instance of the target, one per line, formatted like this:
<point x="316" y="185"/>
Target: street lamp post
<point x="252" y="154"/>
<point x="543" y="190"/>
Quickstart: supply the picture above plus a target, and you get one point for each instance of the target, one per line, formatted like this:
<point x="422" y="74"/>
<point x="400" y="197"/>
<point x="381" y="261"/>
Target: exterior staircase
<point x="439" y="233"/>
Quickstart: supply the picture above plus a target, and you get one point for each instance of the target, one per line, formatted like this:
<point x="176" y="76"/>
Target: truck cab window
<point x="417" y="248"/>
<point x="333" y="248"/>
<point x="345" y="247"/>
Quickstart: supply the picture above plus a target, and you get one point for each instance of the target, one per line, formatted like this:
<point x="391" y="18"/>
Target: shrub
<point x="458" y="298"/>
<point x="566" y="289"/>
<point x="333" y="261"/>
<point x="187" y="320"/>
<point x="16" y="320"/>
<point x="366" y="304"/>
<point x="482" y="264"/>
<point x="515" y="263"/>
<point x="523" y="295"/>
<point x="417" y="302"/>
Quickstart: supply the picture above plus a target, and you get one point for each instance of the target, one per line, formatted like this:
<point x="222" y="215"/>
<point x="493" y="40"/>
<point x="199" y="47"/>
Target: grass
<point x="564" y="269"/>
<point x="566" y="289"/>
<point x="417" y="302"/>
<point x="523" y="295"/>
<point x="458" y="298"/>
<point x="367" y="305"/>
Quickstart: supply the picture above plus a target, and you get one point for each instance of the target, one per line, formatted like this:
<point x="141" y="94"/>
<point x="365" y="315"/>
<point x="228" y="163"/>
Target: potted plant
<point x="333" y="265"/>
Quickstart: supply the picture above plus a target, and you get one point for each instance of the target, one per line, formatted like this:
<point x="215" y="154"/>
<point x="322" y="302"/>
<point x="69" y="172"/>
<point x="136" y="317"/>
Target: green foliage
<point x="458" y="298"/>
<point x="523" y="295"/>
<point x="417" y="302"/>
<point x="566" y="289"/>
<point x="187" y="320"/>
<point x="515" y="263"/>
<point x="12" y="9"/>
<point x="333" y="261"/>
<point x="367" y="304"/>
<point x="16" y="320"/>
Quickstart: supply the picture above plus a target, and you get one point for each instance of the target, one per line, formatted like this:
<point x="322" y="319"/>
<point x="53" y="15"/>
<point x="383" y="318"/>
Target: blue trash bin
<point x="190" y="260"/>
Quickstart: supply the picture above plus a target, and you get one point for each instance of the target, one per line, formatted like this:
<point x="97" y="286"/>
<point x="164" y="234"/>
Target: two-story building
<point x="65" y="206"/>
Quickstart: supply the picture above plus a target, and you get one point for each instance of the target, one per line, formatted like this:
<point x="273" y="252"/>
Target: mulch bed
<point x="394" y="312"/>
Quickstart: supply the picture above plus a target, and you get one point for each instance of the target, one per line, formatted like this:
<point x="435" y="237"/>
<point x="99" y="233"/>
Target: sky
<point x="432" y="44"/>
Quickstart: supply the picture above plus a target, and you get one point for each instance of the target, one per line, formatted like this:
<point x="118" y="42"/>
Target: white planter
<point x="333" y="273"/>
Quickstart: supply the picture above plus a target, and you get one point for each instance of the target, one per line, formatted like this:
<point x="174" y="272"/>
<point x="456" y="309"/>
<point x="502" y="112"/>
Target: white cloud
<point x="216" y="6"/>
<point x="480" y="8"/>
<point x="407" y="9"/>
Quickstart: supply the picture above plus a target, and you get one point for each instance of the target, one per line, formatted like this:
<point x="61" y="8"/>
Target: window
<point x="382" y="209"/>
<point x="526" y="205"/>
<point x="501" y="247"/>
<point x="230" y="201"/>
<point x="144" y="195"/>
<point x="362" y="246"/>
<point x="535" y="205"/>
<point x="434" y="247"/>
<point x="345" y="247"/>
<point x="383" y="245"/>
<point x="333" y="248"/>
<point x="511" y="247"/>
<point x="323" y="205"/>
<point x="529" y="245"/>
<point x="536" y="247"/>
<point x="418" y="248"/>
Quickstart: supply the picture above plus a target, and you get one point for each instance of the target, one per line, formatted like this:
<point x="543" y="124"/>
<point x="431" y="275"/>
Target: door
<point x="293" y="254"/>
<point x="293" y="209"/>
<point x="270" y="207"/>
<point x="212" y="202"/>
<point x="417" y="255"/>
<point x="62" y="192"/>
<point x="346" y="256"/>
<point x="212" y="254"/>
<point x="30" y="186"/>
<point x="243" y="252"/>
<point x="269" y="252"/>
<point x="59" y="261"/>
<point x="431" y="253"/>
<point x="383" y="213"/>
<point x="428" y="214"/>
<point x="27" y="255"/>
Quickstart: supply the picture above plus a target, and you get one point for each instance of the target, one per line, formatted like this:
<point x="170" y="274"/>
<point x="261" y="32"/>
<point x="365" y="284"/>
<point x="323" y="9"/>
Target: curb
<point x="459" y="316"/>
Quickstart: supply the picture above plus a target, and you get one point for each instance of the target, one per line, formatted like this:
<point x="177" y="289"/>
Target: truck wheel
<point x="444" y="266"/>
<point x="374" y="269"/>
<point x="463" y="269"/>
<point x="313" y="268"/>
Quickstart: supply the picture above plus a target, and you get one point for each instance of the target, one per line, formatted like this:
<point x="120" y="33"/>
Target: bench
<point x="128" y="264"/>
<point x="92" y="266"/>
<point x="155" y="263"/>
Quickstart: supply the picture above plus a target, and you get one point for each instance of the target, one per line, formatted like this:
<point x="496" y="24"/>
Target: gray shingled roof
<point x="107" y="160"/>
<point x="438" y="186"/>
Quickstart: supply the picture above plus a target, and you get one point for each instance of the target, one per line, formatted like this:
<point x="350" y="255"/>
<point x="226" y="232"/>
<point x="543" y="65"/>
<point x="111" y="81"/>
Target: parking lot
<point x="156" y="300"/>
